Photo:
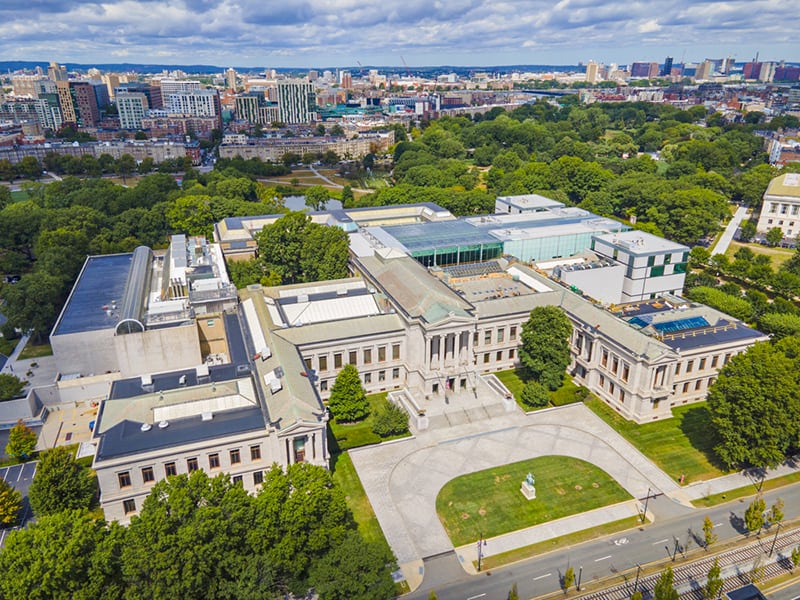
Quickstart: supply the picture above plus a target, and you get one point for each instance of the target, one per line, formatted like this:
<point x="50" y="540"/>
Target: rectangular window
<point x="511" y="354"/>
<point x="258" y="477"/>
<point x="501" y="334"/>
<point x="237" y="479"/>
<point x="651" y="260"/>
<point x="381" y="375"/>
<point x="367" y="377"/>
<point x="702" y="364"/>
<point x="685" y="387"/>
<point x="255" y="452"/>
<point x="337" y="360"/>
<point x="381" y="353"/>
<point x="124" y="479"/>
<point x="689" y="366"/>
<point x="323" y="363"/>
<point x="714" y="361"/>
<point x="213" y="461"/>
<point x="148" y="476"/>
<point x="395" y="351"/>
<point x="487" y="336"/>
<point x="485" y="358"/>
<point x="697" y="384"/>
<point x="323" y="385"/>
<point x="307" y="360"/>
<point x="396" y="373"/>
<point x="170" y="469"/>
<point x="368" y="356"/>
<point x="352" y="357"/>
<point x="475" y="339"/>
<point x="614" y="365"/>
<point x="657" y="271"/>
<point x="626" y="372"/>
<point x="667" y="259"/>
<point x="512" y="332"/>
<point x="191" y="464"/>
<point x="129" y="506"/>
<point x="499" y="356"/>
<point x="236" y="456"/>
<point x="604" y="358"/>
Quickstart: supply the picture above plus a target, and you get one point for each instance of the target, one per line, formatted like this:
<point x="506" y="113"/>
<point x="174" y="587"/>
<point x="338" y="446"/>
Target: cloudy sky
<point x="319" y="33"/>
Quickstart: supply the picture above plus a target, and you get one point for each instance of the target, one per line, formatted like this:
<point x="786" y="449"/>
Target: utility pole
<point x="481" y="544"/>
<point x="646" y="501"/>
<point x="775" y="539"/>
<point x="580" y="572"/>
<point x="636" y="583"/>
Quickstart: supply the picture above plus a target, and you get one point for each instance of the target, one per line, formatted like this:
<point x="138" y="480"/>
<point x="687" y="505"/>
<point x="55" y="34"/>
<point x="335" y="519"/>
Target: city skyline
<point x="345" y="33"/>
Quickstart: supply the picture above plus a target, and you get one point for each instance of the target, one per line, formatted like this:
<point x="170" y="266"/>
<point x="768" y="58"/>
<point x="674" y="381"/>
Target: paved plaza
<point x="403" y="479"/>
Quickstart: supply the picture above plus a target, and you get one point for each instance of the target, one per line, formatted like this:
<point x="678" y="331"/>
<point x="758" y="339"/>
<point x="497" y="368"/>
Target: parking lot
<point x="20" y="477"/>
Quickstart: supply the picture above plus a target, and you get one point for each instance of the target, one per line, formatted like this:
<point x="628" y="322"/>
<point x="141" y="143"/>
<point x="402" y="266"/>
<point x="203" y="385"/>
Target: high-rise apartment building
<point x="178" y="86"/>
<point x="196" y="103"/>
<point x="25" y="85"/>
<point x="644" y="70"/>
<point x="345" y="79"/>
<point x="296" y="101"/>
<point x="704" y="70"/>
<point x="56" y="72"/>
<point x="666" y="70"/>
<point x="592" y="72"/>
<point x="78" y="103"/>
<point x="153" y="92"/>
<point x="132" y="108"/>
<point x="230" y="78"/>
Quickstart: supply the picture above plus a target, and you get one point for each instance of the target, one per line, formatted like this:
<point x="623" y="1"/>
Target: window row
<point x="352" y="356"/>
<point x="325" y="384"/>
<point x="495" y="336"/>
<point x="693" y="386"/>
<point x="617" y="366"/>
<point x="783" y="209"/>
<point x="129" y="505"/>
<point x="716" y="361"/>
<point x="192" y="464"/>
<point x="499" y="355"/>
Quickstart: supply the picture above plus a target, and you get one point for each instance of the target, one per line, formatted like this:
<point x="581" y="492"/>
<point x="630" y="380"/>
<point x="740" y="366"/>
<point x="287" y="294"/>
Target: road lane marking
<point x="603" y="558"/>
<point x="476" y="597"/>
<point x="20" y="473"/>
<point x="542" y="576"/>
<point x="660" y="541"/>
<point x="717" y="524"/>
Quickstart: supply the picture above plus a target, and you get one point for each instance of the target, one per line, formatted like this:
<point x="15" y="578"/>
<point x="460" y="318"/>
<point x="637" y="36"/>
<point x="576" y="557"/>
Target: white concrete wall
<point x="158" y="350"/>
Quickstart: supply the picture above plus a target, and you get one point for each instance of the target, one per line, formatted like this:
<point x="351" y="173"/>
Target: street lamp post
<point x="775" y="539"/>
<point x="580" y="572"/>
<point x="481" y="544"/>
<point x="636" y="583"/>
<point x="646" y="501"/>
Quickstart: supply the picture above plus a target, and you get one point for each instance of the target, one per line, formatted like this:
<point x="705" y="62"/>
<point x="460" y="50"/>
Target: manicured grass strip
<point x="7" y="346"/>
<point x="681" y="445"/>
<point x="777" y="255"/>
<point x="578" y="537"/>
<point x="513" y="382"/>
<point x="566" y="394"/>
<point x="345" y="476"/>
<point x="32" y="350"/>
<point x="490" y="503"/>
<point x="354" y="435"/>
<point x="748" y="490"/>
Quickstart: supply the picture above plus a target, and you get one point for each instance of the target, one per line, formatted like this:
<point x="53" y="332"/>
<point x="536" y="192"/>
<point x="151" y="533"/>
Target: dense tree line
<point x="46" y="237"/>
<point x="197" y="537"/>
<point x="593" y="157"/>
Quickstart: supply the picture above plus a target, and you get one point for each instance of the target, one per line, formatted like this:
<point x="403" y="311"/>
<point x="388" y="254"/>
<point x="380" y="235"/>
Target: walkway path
<point x="727" y="235"/>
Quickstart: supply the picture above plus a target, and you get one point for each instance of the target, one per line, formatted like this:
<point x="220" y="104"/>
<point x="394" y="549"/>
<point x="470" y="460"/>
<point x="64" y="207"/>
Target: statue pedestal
<point x="528" y="490"/>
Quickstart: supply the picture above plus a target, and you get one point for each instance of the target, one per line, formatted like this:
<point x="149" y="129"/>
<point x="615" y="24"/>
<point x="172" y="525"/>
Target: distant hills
<point x="16" y="65"/>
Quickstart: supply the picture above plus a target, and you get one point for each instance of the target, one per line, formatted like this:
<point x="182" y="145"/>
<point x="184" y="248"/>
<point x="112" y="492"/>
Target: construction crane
<point x="405" y="64"/>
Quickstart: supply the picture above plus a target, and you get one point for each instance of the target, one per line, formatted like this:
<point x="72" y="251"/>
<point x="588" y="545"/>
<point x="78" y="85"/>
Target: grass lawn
<point x="353" y="435"/>
<point x="490" y="503"/>
<point x="778" y="256"/>
<point x="19" y="195"/>
<point x="566" y="394"/>
<point x="32" y="350"/>
<point x="680" y="445"/>
<point x="7" y="346"/>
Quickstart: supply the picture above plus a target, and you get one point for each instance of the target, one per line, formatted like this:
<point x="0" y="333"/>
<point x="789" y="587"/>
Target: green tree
<point x="7" y="172"/>
<point x="774" y="236"/>
<point x="663" y="589"/>
<point x="714" y="582"/>
<point x="316" y="197"/>
<point x="637" y="595"/>
<point x="755" y="411"/>
<point x="5" y="196"/>
<point x="390" y="419"/>
<point x="795" y="557"/>
<point x="569" y="579"/>
<point x="754" y="515"/>
<point x="34" y="302"/>
<point x="432" y="595"/>
<point x="65" y="555"/>
<point x="125" y="166"/>
<point x="29" y="168"/>
<point x="11" y="386"/>
<point x="776" y="512"/>
<point x="535" y="394"/>
<point x="355" y="570"/>
<point x="545" y="345"/>
<point x="21" y="441"/>
<point x="348" y="400"/>
<point x="709" y="537"/>
<point x="347" y="196"/>
<point x="10" y="503"/>
<point x="747" y="230"/>
<point x="60" y="484"/>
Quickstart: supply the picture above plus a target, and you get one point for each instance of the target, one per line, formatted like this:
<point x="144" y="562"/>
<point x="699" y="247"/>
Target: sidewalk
<point x="727" y="235"/>
<point x="468" y="554"/>
<point x="747" y="477"/>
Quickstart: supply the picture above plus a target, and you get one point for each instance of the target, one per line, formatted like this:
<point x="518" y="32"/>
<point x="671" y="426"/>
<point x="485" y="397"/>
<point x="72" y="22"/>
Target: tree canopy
<point x="21" y="441"/>
<point x="545" y="345"/>
<point x="60" y="484"/>
<point x="348" y="400"/>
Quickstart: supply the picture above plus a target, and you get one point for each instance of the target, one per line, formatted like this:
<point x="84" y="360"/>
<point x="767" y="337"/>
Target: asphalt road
<point x="613" y="555"/>
<point x="20" y="477"/>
